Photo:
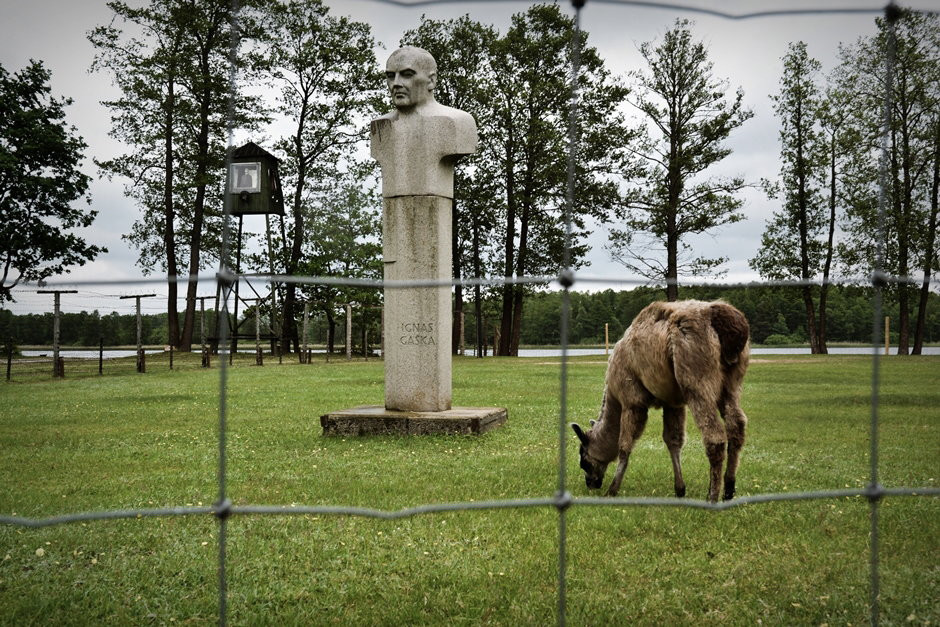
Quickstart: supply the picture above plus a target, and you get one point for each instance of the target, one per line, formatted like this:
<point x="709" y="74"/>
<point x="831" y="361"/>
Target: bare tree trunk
<point x="520" y="271"/>
<point x="930" y="251"/>
<point x="508" y="289"/>
<point x="672" y="231"/>
<point x="827" y="266"/>
<point x="477" y="300"/>
<point x="169" y="233"/>
<point x="457" y="327"/>
<point x="199" y="205"/>
<point x="807" y="293"/>
<point x="330" y="329"/>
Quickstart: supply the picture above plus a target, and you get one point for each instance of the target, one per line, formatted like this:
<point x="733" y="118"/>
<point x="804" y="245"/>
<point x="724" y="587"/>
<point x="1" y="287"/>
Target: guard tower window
<point x="246" y="177"/>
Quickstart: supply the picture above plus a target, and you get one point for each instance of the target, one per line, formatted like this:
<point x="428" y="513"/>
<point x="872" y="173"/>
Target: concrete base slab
<point x="376" y="420"/>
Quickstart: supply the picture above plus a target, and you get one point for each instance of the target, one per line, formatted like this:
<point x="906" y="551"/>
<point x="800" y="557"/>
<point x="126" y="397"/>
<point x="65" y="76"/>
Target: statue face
<point x="410" y="79"/>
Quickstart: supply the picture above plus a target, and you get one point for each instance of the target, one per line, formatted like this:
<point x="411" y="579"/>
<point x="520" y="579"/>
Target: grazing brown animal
<point x="687" y="353"/>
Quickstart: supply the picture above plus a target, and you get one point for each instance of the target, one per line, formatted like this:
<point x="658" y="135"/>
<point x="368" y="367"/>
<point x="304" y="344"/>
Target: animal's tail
<point x="732" y="329"/>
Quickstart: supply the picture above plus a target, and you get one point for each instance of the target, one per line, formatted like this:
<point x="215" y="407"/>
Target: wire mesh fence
<point x="561" y="501"/>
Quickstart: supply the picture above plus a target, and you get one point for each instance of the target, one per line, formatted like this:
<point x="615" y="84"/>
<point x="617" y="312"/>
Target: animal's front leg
<point x="632" y="423"/>
<point x="622" y="461"/>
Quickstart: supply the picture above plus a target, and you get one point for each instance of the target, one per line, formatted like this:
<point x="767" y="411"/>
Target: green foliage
<point x="40" y="179"/>
<point x="170" y="61"/>
<point x="910" y="170"/>
<point x="770" y="311"/>
<point x="513" y="192"/>
<point x="792" y="246"/>
<point x="142" y="441"/>
<point x="321" y="69"/>
<point x="686" y="116"/>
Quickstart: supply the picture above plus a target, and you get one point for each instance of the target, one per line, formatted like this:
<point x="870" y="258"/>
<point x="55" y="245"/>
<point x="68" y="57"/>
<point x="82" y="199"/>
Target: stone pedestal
<point x="376" y="420"/>
<point x="417" y="245"/>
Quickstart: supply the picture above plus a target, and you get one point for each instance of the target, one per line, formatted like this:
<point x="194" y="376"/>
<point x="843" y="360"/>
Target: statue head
<point x="411" y="74"/>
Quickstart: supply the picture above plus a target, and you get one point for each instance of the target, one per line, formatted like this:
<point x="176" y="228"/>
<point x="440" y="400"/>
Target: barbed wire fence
<point x="562" y="500"/>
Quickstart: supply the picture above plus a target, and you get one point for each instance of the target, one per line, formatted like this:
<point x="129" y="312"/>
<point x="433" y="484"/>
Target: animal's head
<point x="592" y="466"/>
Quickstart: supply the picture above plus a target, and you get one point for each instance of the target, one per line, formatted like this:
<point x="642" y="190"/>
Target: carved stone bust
<point x="418" y="142"/>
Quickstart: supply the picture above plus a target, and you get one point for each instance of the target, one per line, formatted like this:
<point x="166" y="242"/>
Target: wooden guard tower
<point x="253" y="187"/>
<point x="254" y="182"/>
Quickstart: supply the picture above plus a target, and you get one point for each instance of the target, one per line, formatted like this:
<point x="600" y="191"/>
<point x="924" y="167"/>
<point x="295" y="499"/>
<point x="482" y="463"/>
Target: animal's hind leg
<point x="632" y="423"/>
<point x="735" y="422"/>
<point x="713" y="434"/>
<point x="674" y="437"/>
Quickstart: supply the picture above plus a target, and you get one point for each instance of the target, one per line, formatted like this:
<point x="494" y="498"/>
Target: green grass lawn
<point x="144" y="441"/>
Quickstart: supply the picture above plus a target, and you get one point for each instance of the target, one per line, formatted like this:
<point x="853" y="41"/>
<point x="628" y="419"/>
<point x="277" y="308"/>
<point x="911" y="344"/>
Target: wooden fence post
<point x="58" y="369"/>
<point x="141" y="358"/>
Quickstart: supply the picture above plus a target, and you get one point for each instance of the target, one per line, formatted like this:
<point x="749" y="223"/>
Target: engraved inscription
<point x="417" y="334"/>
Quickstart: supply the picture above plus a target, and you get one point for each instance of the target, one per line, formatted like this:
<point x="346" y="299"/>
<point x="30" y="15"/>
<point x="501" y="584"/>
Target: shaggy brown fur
<point x="687" y="353"/>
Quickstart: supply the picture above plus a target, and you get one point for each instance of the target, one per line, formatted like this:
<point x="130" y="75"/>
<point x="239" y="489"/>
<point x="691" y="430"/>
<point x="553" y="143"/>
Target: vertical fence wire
<point x="891" y="15"/>
<point x="223" y="506"/>
<point x="566" y="279"/>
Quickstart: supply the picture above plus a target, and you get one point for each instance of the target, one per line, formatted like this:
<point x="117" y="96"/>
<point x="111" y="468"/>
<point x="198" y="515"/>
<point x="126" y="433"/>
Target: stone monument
<point x="417" y="145"/>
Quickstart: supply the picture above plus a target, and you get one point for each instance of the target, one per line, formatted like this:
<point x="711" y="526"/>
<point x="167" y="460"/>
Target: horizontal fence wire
<point x="570" y="277"/>
<point x="562" y="500"/>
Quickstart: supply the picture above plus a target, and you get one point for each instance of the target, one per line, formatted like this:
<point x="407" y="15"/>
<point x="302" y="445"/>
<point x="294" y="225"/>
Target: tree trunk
<point x="330" y="329"/>
<point x="199" y="205"/>
<point x="903" y="207"/>
<point x="672" y="265"/>
<point x="803" y="216"/>
<point x="458" y="289"/>
<point x="169" y="231"/>
<point x="520" y="272"/>
<point x="477" y="300"/>
<point x="672" y="229"/>
<point x="827" y="265"/>
<point x="297" y="236"/>
<point x="807" y="294"/>
<point x="930" y="254"/>
<point x="510" y="236"/>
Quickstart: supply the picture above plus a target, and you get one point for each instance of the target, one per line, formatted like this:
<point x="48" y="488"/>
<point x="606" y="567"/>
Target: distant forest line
<point x="776" y="316"/>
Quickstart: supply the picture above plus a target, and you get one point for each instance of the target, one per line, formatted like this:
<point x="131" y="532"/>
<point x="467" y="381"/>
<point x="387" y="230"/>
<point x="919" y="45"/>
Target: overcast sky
<point x="746" y="52"/>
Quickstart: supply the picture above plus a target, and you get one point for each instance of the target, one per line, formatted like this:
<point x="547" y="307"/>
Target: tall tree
<point x="172" y="114"/>
<point x="907" y="243"/>
<point x="461" y="47"/>
<point x="792" y="246"/>
<point x="40" y="181"/>
<point x="323" y="70"/>
<point x="531" y="108"/>
<point x="686" y="117"/>
<point x="930" y="261"/>
<point x="835" y="148"/>
<point x="346" y="244"/>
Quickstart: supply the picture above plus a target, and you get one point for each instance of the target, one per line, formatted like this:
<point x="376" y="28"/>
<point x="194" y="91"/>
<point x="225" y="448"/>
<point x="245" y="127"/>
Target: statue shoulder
<point x="391" y="116"/>
<point x="459" y="116"/>
<point x="464" y="128"/>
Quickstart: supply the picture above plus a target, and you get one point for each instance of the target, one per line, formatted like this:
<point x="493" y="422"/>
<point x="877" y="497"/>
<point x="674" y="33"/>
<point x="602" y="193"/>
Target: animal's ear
<point x="578" y="432"/>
